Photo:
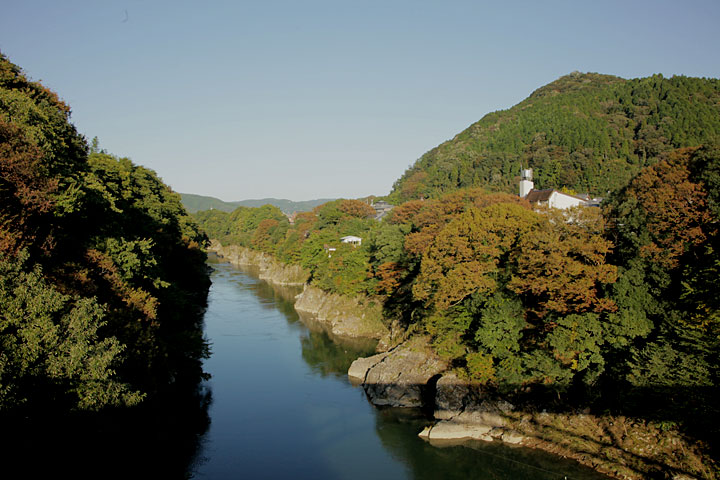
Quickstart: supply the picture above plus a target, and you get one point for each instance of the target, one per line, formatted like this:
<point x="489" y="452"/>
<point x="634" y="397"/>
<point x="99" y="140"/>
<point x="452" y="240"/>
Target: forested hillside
<point x="102" y="272"/>
<point x="588" y="132"/>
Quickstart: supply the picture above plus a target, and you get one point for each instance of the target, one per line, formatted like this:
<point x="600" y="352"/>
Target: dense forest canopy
<point x="590" y="133"/>
<point x="102" y="272"/>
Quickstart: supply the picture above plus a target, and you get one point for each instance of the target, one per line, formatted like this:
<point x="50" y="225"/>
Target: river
<point x="282" y="406"/>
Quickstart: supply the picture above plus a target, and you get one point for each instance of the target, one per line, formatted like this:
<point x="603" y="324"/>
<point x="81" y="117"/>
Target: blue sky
<point x="318" y="99"/>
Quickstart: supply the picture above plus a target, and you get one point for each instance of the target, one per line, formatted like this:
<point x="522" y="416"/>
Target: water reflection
<point x="325" y="353"/>
<point x="328" y="358"/>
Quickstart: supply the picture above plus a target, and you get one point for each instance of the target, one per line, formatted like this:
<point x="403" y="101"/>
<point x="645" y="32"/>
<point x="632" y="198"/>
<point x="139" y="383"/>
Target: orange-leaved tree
<point x="561" y="265"/>
<point x="465" y="256"/>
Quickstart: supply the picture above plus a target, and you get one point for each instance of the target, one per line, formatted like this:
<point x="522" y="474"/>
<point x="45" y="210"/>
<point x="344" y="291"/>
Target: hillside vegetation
<point x="588" y="132"/>
<point x="102" y="272"/>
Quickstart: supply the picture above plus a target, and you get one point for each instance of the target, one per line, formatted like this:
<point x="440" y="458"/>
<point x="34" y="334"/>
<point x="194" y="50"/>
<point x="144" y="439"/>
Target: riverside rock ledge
<point x="401" y="377"/>
<point x="343" y="316"/>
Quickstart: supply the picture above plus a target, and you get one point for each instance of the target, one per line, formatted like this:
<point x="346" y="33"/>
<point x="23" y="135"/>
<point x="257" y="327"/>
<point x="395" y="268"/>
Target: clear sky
<point x="307" y="99"/>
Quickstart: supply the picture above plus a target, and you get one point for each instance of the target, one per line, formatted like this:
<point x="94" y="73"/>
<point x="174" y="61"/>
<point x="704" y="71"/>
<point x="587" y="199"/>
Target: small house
<point x="352" y="240"/>
<point x="554" y="199"/>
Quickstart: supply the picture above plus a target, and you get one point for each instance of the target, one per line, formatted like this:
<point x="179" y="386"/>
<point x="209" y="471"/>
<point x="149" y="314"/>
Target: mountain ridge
<point x="194" y="203"/>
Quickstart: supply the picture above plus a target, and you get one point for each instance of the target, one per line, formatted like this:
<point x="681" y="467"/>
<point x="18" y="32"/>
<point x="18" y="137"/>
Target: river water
<point x="282" y="406"/>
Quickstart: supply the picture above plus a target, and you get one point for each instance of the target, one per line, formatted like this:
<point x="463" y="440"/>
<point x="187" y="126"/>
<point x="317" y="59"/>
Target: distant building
<point x="526" y="183"/>
<point x="554" y="199"/>
<point x="382" y="208"/>
<point x="550" y="197"/>
<point x="352" y="240"/>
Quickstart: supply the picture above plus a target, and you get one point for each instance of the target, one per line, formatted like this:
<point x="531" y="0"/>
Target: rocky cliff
<point x="269" y="268"/>
<point x="347" y="317"/>
<point x="344" y="318"/>
<point x="402" y="377"/>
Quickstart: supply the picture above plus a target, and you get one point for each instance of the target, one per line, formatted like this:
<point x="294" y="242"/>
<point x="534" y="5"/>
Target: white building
<point x="550" y="197"/>
<point x="351" y="239"/>
<point x="554" y="199"/>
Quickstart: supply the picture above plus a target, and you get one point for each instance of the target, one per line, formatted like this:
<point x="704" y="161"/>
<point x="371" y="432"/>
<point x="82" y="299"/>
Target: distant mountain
<point x="588" y="132"/>
<point x="194" y="203"/>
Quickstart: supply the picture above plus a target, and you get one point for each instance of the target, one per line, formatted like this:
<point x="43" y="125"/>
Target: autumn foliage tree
<point x="508" y="289"/>
<point x="25" y="192"/>
<point x="465" y="257"/>
<point x="561" y="266"/>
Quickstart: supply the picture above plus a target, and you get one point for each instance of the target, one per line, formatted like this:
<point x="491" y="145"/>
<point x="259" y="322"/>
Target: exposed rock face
<point x="475" y="421"/>
<point x="359" y="369"/>
<point x="451" y="396"/>
<point x="350" y="317"/>
<point x="269" y="269"/>
<point x="465" y="414"/>
<point x="344" y="318"/>
<point x="401" y="377"/>
<point x="456" y="432"/>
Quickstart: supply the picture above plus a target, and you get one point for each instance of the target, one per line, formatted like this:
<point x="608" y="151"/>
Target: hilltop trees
<point x="589" y="132"/>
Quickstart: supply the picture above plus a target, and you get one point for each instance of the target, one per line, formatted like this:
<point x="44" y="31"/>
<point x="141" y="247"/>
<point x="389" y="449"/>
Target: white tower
<point x="526" y="183"/>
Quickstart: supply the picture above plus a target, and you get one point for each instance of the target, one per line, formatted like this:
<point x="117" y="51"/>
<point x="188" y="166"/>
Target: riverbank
<point x="347" y="319"/>
<point x="269" y="269"/>
<point x="411" y="375"/>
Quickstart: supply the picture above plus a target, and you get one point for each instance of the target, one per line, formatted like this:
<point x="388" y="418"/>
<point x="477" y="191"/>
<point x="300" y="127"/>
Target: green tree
<point x="50" y="339"/>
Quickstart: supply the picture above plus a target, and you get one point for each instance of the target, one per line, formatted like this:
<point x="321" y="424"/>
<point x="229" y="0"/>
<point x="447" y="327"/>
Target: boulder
<point x="512" y="437"/>
<point x="451" y="393"/>
<point x="466" y="426"/>
<point x="401" y="379"/>
<point x="449" y="430"/>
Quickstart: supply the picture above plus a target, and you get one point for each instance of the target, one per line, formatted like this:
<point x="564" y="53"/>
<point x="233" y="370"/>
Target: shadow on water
<point x="397" y="429"/>
<point x="160" y="439"/>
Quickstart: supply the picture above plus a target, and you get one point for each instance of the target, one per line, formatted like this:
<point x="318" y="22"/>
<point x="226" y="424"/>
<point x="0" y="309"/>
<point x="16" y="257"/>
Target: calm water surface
<point x="283" y="408"/>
